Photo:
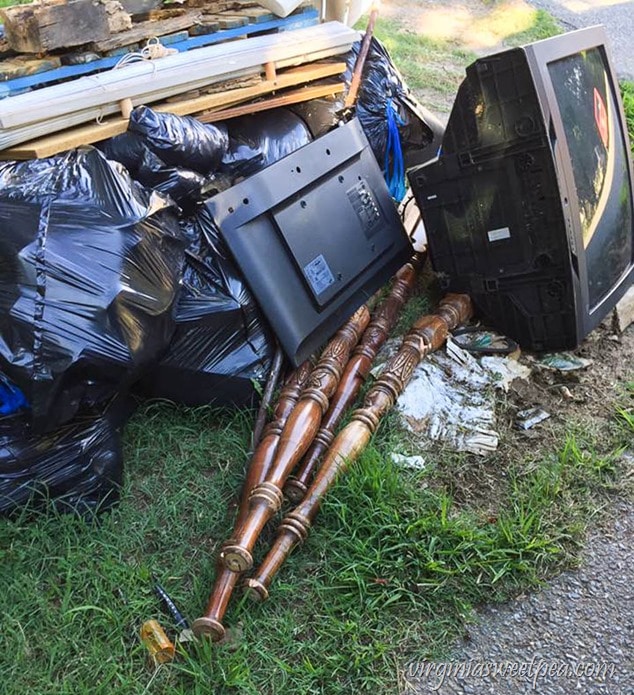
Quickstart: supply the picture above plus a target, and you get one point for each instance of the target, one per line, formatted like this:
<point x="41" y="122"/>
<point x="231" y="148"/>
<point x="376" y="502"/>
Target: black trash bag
<point x="77" y="467"/>
<point x="381" y="85"/>
<point x="90" y="268"/>
<point x="256" y="141"/>
<point x="187" y="188"/>
<point x="180" y="141"/>
<point x="222" y="346"/>
<point x="320" y="115"/>
<point x="383" y="88"/>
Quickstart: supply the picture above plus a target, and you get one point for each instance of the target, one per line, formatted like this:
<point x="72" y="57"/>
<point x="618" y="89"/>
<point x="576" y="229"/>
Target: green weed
<point x="432" y="69"/>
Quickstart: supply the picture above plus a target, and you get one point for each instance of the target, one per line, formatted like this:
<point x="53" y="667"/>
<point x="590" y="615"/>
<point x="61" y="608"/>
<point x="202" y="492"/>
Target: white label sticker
<point x="319" y="274"/>
<point x="499" y="234"/>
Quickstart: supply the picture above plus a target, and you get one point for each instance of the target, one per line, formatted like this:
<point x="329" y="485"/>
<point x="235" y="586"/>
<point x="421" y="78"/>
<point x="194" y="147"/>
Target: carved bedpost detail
<point x="426" y="335"/>
<point x="355" y="374"/>
<point x="210" y="624"/>
<point x="299" y="431"/>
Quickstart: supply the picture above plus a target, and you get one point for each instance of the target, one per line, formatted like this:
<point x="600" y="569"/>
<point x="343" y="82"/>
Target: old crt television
<point x="528" y="207"/>
<point x="315" y="235"/>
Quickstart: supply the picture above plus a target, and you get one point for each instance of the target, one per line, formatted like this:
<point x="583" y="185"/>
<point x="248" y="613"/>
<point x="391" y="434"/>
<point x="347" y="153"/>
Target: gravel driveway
<point x="618" y="18"/>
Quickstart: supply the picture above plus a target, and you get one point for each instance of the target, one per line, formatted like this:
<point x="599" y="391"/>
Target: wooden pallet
<point x="38" y="75"/>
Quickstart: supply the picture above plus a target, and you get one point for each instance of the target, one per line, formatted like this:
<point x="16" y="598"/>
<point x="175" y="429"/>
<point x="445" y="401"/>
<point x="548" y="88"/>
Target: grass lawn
<point x="391" y="573"/>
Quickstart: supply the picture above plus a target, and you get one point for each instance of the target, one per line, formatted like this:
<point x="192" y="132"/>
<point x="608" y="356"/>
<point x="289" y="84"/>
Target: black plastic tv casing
<point x="315" y="234"/>
<point x="504" y="293"/>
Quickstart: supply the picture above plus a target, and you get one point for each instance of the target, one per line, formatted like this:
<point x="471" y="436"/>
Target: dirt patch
<point x="481" y="27"/>
<point x="581" y="401"/>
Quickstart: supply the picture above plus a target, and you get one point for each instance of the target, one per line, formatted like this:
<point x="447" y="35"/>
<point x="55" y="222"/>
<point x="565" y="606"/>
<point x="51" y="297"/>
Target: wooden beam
<point x="255" y="15"/>
<point x="146" y="30"/>
<point x="138" y="6"/>
<point x="205" y="26"/>
<point x="40" y="28"/>
<point x="18" y="66"/>
<point x="159" y="14"/>
<point x="295" y="97"/>
<point x="95" y="132"/>
<point x="225" y="21"/>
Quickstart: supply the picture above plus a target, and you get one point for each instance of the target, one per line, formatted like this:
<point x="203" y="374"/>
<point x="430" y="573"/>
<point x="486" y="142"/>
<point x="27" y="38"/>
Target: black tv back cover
<point x="315" y="235"/>
<point x="501" y="204"/>
<point x="496" y="175"/>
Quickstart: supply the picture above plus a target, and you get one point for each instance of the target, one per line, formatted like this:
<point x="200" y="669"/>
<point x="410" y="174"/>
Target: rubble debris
<point x="563" y="362"/>
<point x="414" y="461"/>
<point x="484" y="341"/>
<point x="527" y="419"/>
<point x="451" y="398"/>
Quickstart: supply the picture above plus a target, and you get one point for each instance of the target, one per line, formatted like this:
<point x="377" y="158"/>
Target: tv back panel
<point x="529" y="206"/>
<point x="316" y="235"/>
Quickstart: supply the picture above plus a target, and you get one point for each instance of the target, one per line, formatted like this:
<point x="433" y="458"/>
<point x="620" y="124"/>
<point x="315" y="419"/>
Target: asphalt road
<point x="574" y="636"/>
<point x="618" y="18"/>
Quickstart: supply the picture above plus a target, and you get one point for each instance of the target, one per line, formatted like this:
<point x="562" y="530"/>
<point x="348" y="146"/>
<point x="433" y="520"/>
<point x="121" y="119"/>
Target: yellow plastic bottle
<point x="157" y="642"/>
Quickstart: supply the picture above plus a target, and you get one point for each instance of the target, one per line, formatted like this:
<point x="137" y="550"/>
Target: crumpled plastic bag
<point x="90" y="268"/>
<point x="382" y="87"/>
<point x="181" y="141"/>
<point x="184" y="186"/>
<point x="222" y="345"/>
<point x="257" y="141"/>
<point x="78" y="467"/>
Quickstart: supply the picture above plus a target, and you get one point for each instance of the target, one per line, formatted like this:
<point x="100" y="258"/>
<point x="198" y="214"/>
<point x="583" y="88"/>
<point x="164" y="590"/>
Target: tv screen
<point x="529" y="206"/>
<point x="316" y="235"/>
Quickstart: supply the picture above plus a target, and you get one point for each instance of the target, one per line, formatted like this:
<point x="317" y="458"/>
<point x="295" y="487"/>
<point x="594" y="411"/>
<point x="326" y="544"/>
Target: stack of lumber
<point x="64" y="39"/>
<point x="219" y="105"/>
<point x="212" y="82"/>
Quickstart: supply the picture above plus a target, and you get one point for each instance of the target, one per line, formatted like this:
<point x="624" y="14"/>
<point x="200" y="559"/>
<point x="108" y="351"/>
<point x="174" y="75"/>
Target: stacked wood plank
<point x="102" y="25"/>
<point x="41" y="35"/>
<point x="55" y="108"/>
<point x="209" y="107"/>
<point x="211" y="82"/>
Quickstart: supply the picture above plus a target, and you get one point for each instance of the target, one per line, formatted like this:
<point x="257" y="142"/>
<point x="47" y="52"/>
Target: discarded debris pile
<point x="116" y="278"/>
<point x="91" y="266"/>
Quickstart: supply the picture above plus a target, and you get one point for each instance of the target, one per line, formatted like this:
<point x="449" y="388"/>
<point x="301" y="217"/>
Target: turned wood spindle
<point x="354" y="375"/>
<point x="427" y="335"/>
<point x="298" y="433"/>
<point x="210" y="625"/>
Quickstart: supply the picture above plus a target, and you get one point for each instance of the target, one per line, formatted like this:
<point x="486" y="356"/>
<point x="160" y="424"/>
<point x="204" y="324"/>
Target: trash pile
<point x="115" y="283"/>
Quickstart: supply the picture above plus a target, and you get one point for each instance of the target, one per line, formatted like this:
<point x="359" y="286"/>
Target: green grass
<point x="391" y="572"/>
<point x="544" y="26"/>
<point x="8" y="3"/>
<point x="435" y="67"/>
<point x="627" y="91"/>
